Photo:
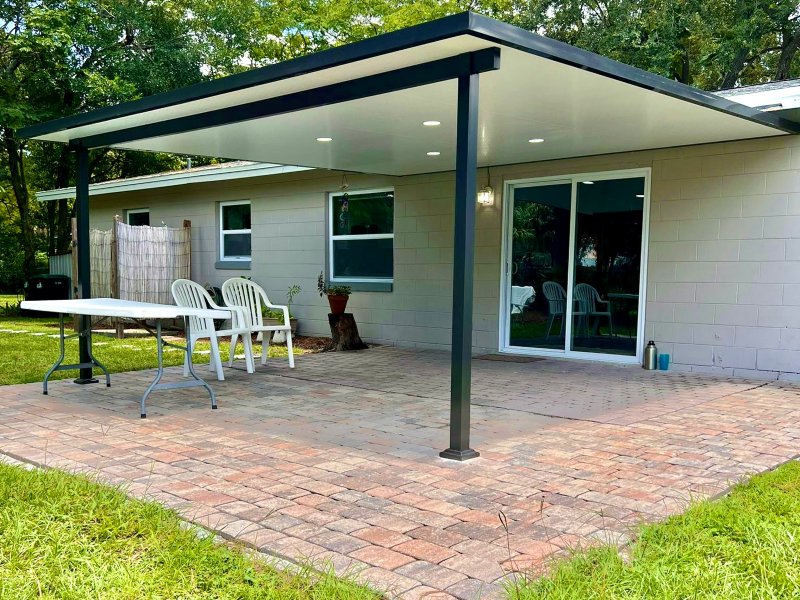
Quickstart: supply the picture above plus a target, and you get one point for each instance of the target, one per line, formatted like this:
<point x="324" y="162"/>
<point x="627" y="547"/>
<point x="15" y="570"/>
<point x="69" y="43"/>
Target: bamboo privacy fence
<point x="139" y="262"/>
<point x="149" y="259"/>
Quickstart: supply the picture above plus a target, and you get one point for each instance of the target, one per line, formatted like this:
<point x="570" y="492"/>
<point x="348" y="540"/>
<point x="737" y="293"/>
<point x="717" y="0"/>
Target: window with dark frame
<point x="361" y="236"/>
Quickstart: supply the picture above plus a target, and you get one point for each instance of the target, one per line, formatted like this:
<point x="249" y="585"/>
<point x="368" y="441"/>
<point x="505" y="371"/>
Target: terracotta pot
<point x="338" y="304"/>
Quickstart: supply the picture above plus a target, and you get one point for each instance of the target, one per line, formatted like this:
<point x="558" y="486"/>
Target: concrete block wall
<point x="724" y="271"/>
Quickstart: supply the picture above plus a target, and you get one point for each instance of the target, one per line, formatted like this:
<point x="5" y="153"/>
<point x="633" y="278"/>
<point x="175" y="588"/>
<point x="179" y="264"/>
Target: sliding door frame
<point x="504" y="341"/>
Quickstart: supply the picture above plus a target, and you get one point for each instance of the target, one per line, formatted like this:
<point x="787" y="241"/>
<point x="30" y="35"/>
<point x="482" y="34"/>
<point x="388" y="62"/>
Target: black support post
<point x="84" y="273"/>
<point x="463" y="266"/>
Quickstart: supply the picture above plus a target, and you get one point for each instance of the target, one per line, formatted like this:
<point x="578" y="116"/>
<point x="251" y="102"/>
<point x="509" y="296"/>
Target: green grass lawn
<point x="64" y="536"/>
<point x="8" y="299"/>
<point x="28" y="347"/>
<point x="745" y="545"/>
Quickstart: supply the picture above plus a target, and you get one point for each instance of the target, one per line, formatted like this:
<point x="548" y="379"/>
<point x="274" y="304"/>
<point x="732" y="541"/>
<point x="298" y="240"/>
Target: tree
<point x="59" y="58"/>
<point x="712" y="44"/>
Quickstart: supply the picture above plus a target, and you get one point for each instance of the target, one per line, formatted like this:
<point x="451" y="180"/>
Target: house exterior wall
<point x="288" y="247"/>
<point x="723" y="277"/>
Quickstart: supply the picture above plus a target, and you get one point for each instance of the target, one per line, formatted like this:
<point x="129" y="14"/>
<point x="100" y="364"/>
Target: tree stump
<point x="344" y="332"/>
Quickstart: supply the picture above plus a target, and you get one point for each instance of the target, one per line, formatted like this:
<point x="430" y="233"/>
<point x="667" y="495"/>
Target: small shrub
<point x="10" y="309"/>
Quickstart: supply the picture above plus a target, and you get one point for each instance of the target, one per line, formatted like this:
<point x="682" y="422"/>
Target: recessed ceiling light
<point x="587" y="182"/>
<point x="434" y="153"/>
<point x="431" y="123"/>
<point x="640" y="195"/>
<point x="535" y="140"/>
<point x="324" y="139"/>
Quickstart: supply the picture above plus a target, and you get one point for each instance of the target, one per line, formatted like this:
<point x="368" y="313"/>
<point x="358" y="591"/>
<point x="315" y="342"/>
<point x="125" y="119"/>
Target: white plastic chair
<point x="556" y="297"/>
<point x="520" y="297"/>
<point x="251" y="297"/>
<point x="191" y="294"/>
<point x="588" y="300"/>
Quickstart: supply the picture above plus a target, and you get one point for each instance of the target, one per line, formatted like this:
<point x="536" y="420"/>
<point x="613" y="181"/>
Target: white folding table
<point x="126" y="309"/>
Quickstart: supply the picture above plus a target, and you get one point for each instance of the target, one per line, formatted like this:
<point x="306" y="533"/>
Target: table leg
<point x="159" y="372"/>
<point x="156" y="385"/>
<point x="191" y="366"/>
<point x="60" y="360"/>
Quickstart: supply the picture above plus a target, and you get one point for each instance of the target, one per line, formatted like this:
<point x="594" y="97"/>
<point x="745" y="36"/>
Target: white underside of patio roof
<point x="577" y="112"/>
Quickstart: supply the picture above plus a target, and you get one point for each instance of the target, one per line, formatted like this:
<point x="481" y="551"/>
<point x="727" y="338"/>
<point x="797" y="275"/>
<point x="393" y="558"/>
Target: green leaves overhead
<point x="711" y="44"/>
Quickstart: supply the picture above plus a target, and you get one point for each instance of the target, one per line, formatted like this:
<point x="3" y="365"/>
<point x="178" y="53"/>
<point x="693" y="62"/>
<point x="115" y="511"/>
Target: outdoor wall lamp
<point x="486" y="193"/>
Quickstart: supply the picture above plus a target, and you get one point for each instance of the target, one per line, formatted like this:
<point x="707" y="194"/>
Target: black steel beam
<point x="435" y="71"/>
<point x="84" y="275"/>
<point x="463" y="267"/>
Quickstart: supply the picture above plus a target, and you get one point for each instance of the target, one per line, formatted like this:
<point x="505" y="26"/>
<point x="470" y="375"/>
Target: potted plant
<point x="337" y="295"/>
<point x="279" y="337"/>
<point x="275" y="317"/>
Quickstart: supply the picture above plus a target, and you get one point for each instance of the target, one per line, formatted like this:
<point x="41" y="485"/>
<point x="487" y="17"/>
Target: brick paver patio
<point x="338" y="459"/>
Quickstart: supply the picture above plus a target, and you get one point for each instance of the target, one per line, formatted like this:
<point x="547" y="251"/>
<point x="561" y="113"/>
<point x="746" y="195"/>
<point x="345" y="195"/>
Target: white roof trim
<point x="764" y="97"/>
<point x="175" y="178"/>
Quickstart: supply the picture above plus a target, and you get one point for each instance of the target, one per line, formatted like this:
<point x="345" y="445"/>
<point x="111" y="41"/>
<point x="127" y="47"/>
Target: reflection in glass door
<point x="539" y="265"/>
<point x="574" y="264"/>
<point x="607" y="265"/>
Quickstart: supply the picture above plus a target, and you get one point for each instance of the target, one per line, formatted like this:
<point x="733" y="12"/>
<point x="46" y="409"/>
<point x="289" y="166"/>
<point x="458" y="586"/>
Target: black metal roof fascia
<point x="443" y="69"/>
<point x="520" y="39"/>
<point x="393" y="41"/>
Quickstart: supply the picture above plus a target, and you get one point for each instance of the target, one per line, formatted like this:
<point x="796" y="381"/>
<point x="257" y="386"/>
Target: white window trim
<point x="134" y="211"/>
<point x="365" y="236"/>
<point x="223" y="232"/>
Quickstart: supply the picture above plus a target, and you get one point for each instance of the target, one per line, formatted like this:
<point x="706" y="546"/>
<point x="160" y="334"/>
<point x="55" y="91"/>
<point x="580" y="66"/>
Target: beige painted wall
<point x="723" y="289"/>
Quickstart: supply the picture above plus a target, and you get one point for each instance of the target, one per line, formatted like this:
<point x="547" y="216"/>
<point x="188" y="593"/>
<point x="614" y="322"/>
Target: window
<point x="362" y="236"/>
<point x="234" y="230"/>
<point x="137" y="216"/>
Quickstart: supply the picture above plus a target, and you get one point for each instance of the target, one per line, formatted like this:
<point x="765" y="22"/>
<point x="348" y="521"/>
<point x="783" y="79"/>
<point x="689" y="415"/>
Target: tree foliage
<point x="64" y="57"/>
<point x="711" y="44"/>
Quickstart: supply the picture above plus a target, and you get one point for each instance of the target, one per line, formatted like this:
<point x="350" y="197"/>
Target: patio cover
<point x="371" y="98"/>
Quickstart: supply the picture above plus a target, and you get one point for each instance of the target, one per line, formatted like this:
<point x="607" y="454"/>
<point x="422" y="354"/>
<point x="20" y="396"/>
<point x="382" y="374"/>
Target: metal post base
<point x="93" y="363"/>
<point x="459" y="455"/>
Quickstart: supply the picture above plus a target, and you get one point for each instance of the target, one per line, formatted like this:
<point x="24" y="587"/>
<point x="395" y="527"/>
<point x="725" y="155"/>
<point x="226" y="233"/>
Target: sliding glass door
<point x="539" y="265"/>
<point x="574" y="265"/>
<point x="607" y="266"/>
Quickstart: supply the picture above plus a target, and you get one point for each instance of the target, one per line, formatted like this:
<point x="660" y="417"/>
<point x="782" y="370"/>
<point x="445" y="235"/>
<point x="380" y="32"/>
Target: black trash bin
<point x="45" y="287"/>
<point x="216" y="295"/>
